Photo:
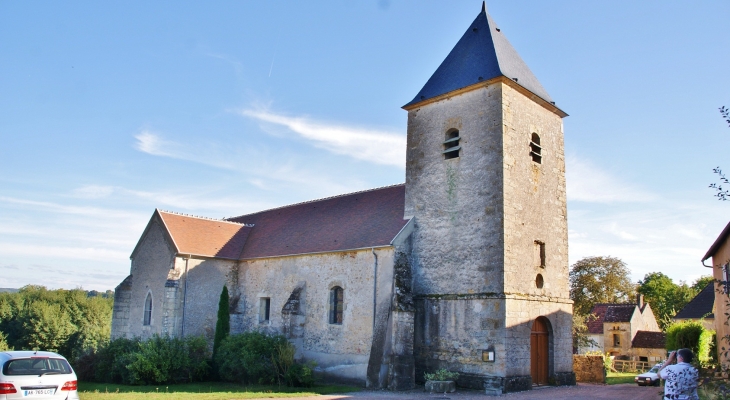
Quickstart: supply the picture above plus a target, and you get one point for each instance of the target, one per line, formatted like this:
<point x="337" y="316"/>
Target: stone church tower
<point x="485" y="186"/>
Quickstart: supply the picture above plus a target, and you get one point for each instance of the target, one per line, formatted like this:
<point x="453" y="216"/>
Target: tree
<point x="223" y="325"/>
<point x="599" y="280"/>
<point x="722" y="194"/>
<point x="665" y="297"/>
<point x="701" y="283"/>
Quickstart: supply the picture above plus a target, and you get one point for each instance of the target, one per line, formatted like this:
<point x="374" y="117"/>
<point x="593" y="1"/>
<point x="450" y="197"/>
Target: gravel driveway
<point x="583" y="391"/>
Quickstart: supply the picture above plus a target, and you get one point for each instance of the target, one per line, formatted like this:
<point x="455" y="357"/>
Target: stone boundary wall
<point x="589" y="369"/>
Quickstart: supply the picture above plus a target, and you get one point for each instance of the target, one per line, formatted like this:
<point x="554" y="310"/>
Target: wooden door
<point x="539" y="352"/>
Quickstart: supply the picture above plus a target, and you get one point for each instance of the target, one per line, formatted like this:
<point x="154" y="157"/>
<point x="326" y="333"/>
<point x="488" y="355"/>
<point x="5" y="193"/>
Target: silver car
<point x="36" y="375"/>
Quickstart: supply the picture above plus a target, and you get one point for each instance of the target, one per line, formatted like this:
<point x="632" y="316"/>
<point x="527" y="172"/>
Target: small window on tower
<point x="616" y="340"/>
<point x="539" y="253"/>
<point x="535" y="149"/>
<point x="451" y="144"/>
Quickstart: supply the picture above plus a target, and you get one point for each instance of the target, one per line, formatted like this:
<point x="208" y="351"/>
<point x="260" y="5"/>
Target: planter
<point x="440" y="386"/>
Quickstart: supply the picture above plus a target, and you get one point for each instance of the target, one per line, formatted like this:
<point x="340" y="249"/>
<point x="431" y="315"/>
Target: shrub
<point x="691" y="335"/>
<point x="441" y="375"/>
<point x="249" y="358"/>
<point x="254" y="357"/>
<point x="161" y="359"/>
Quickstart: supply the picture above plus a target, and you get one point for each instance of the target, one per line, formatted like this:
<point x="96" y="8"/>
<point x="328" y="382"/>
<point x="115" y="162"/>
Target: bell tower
<point x="485" y="184"/>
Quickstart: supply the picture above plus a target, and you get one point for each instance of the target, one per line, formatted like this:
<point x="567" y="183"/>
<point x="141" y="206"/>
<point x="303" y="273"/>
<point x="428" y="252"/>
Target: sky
<point x="109" y="110"/>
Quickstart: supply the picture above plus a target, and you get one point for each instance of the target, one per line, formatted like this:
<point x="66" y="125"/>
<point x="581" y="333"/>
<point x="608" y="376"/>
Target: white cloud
<point x="588" y="183"/>
<point x="151" y="143"/>
<point x="664" y="236"/>
<point x="261" y="167"/>
<point x="375" y="146"/>
<point x="93" y="192"/>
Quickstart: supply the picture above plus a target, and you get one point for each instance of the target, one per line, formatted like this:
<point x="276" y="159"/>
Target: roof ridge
<point x="314" y="201"/>
<point x="205" y="218"/>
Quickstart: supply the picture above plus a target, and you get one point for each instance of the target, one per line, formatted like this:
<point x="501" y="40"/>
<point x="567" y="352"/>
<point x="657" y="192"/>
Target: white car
<point x="651" y="377"/>
<point x="36" y="375"/>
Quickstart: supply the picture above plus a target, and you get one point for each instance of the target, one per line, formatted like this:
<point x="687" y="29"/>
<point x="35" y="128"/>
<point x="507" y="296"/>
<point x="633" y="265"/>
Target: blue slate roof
<point x="482" y="53"/>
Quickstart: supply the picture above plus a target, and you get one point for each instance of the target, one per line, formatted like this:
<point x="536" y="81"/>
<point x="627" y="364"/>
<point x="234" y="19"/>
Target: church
<point x="463" y="267"/>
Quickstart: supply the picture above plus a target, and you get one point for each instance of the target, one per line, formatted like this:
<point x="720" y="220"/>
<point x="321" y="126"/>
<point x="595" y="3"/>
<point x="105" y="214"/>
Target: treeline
<point x="70" y="322"/>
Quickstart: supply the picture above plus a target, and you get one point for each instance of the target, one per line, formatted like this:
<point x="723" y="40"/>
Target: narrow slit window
<point x="616" y="340"/>
<point x="148" y="310"/>
<point x="264" y="309"/>
<point x="451" y="144"/>
<point x="337" y="305"/>
<point x="535" y="149"/>
<point x="539" y="253"/>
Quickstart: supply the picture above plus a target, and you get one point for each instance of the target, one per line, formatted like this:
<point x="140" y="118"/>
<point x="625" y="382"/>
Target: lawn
<point x="613" y="378"/>
<point x="206" y="391"/>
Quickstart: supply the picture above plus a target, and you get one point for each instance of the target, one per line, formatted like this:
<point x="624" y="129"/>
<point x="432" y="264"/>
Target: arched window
<point x="451" y="144"/>
<point x="148" y="309"/>
<point x="535" y="149"/>
<point x="337" y="304"/>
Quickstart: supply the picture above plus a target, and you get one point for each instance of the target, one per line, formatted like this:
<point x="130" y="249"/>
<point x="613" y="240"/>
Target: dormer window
<point x="535" y="149"/>
<point x="451" y="144"/>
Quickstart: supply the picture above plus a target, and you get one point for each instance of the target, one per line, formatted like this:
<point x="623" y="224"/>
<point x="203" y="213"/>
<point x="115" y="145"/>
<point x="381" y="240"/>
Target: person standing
<point x="681" y="378"/>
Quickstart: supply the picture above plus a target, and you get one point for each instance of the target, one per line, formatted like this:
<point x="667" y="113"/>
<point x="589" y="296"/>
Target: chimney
<point x="640" y="301"/>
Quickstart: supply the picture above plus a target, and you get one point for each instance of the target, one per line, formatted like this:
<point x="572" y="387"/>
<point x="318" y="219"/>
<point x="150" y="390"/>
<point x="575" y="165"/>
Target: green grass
<point x="614" y="378"/>
<point x="205" y="390"/>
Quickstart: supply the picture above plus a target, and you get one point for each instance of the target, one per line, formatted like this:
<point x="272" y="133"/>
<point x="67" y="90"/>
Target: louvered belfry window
<point x="535" y="149"/>
<point x="337" y="305"/>
<point x="148" y="310"/>
<point x="451" y="144"/>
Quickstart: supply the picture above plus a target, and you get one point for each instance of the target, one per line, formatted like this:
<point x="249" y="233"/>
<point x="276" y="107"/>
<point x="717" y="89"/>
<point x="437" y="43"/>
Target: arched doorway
<point x="539" y="351"/>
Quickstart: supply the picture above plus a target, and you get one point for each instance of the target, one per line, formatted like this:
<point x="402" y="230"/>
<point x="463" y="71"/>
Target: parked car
<point x="650" y="377"/>
<point x="36" y="375"/>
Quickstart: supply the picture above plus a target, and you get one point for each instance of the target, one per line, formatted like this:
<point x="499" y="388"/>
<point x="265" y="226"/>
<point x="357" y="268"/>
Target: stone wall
<point x="120" y="312"/>
<point x="589" y="369"/>
<point x="152" y="265"/>
<point x="457" y="203"/>
<point x="199" y="296"/>
<point x="349" y="352"/>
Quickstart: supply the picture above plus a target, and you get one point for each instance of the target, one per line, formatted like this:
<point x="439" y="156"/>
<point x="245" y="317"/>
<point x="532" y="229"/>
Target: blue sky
<point x="108" y="111"/>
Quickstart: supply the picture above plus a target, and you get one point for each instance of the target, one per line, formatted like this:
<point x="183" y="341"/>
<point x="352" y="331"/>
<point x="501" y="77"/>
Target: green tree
<point x="701" y="283"/>
<point x="223" y="325"/>
<point x="599" y="280"/>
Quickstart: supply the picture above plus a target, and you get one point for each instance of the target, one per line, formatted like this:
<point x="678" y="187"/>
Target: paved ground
<point x="582" y="391"/>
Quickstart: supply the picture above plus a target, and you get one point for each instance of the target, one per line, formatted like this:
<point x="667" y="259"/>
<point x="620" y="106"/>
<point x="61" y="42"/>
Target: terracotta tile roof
<point x="700" y="306"/>
<point x="205" y="237"/>
<point x="649" y="340"/>
<point x="352" y="221"/>
<point x="596" y="326"/>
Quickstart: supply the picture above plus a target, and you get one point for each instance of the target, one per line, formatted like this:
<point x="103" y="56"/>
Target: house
<point x="700" y="308"/>
<point x="720" y="254"/>
<point x="617" y="326"/>
<point x="464" y="267"/>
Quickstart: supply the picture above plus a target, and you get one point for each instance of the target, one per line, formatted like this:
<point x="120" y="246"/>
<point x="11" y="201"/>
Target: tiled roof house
<point x="700" y="308"/>
<point x="614" y="328"/>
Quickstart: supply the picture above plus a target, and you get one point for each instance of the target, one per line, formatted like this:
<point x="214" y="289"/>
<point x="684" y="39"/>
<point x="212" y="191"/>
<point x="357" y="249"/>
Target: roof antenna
<point x="484" y="6"/>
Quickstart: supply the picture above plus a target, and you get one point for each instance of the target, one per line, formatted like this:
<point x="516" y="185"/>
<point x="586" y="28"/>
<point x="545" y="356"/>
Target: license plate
<point x="38" y="392"/>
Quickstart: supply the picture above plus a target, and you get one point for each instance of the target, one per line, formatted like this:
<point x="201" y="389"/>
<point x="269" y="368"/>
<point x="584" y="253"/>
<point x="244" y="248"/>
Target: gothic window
<point x="535" y="149"/>
<point x="148" y="310"/>
<point x="337" y="304"/>
<point x="451" y="144"/>
<point x="539" y="253"/>
<point x="264" y="309"/>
